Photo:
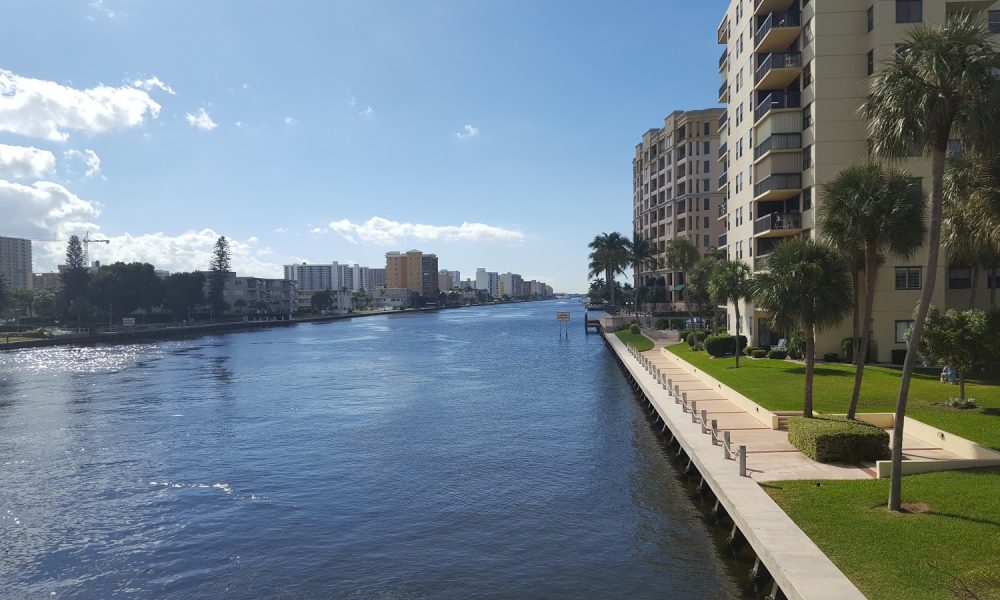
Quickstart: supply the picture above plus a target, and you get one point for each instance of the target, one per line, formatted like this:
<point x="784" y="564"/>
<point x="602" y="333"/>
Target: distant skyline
<point x="496" y="135"/>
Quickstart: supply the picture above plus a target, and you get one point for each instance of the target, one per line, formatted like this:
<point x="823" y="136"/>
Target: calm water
<point x="464" y="454"/>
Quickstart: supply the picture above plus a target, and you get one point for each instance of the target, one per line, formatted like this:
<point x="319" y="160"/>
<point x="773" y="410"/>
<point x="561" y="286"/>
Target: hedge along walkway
<point x="770" y="456"/>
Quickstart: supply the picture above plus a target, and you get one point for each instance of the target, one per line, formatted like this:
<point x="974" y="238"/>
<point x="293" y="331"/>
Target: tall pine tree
<point x="75" y="278"/>
<point x="218" y="270"/>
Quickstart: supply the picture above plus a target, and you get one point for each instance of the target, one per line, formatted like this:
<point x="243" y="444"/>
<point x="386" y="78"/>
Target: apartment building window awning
<point x="679" y="287"/>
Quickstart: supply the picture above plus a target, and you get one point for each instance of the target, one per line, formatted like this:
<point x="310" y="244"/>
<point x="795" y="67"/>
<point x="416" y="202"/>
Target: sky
<point x="496" y="134"/>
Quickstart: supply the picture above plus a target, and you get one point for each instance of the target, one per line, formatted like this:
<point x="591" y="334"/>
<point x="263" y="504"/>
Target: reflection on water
<point x="468" y="453"/>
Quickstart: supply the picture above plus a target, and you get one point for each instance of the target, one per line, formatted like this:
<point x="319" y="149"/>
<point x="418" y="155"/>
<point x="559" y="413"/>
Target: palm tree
<point x="698" y="288"/>
<point x="680" y="254"/>
<point x="732" y="281"/>
<point x="805" y="286"/>
<point x="872" y="208"/>
<point x="609" y="257"/>
<point x="641" y="254"/>
<point x="940" y="86"/>
<point x="972" y="215"/>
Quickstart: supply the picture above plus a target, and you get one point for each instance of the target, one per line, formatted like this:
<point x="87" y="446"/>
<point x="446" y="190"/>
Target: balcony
<point x="723" y="148"/>
<point x="723" y="208"/>
<point x="724" y="60"/>
<point x="722" y="240"/>
<point x="777" y="101"/>
<point x="723" y="181"/>
<point x="779" y="186"/>
<point x="778" y="142"/>
<point x="760" y="262"/>
<point x="777" y="32"/>
<point x="778" y="225"/>
<point x="724" y="93"/>
<point x="778" y="71"/>
<point x="723" y="33"/>
<point x="763" y="7"/>
<point x="723" y="118"/>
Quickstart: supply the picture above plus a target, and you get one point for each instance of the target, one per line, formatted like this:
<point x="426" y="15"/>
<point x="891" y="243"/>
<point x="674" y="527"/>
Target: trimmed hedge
<point x="633" y="328"/>
<point x="662" y="324"/>
<point x="695" y="337"/>
<point x="723" y="344"/>
<point x="835" y="439"/>
<point x="777" y="354"/>
<point x="759" y="353"/>
<point x="831" y="357"/>
<point x="750" y="350"/>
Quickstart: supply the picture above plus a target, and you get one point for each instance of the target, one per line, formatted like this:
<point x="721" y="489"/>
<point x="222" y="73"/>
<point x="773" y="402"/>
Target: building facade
<point x="675" y="191"/>
<point x="257" y="294"/>
<point x="794" y="76"/>
<point x="412" y="270"/>
<point x="488" y="281"/>
<point x="15" y="262"/>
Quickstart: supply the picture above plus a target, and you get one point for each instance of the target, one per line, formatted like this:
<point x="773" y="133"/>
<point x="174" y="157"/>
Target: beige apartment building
<point x="794" y="76"/>
<point x="15" y="262"/>
<point x="675" y="181"/>
<point x="413" y="270"/>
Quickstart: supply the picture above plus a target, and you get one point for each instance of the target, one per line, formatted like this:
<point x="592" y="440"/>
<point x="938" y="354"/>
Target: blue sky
<point x="288" y="126"/>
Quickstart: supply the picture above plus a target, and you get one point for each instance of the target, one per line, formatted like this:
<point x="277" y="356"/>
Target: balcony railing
<point x="777" y="19"/>
<point x="723" y="208"/>
<point x="778" y="141"/>
<point x="722" y="240"/>
<point x="760" y="262"/>
<point x="777" y="101"/>
<point x="778" y="222"/>
<point x="722" y="149"/>
<point x="776" y="60"/>
<point x="778" y="181"/>
<point x="723" y="179"/>
<point x="724" y="57"/>
<point x="723" y="118"/>
<point x="724" y="93"/>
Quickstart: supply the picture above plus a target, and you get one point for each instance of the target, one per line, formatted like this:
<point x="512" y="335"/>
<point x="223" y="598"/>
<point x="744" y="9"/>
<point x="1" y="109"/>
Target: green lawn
<point x="777" y="385"/>
<point x="905" y="556"/>
<point x="641" y="342"/>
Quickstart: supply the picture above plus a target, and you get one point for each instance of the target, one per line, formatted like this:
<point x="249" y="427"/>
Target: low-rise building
<point x="390" y="298"/>
<point x="257" y="294"/>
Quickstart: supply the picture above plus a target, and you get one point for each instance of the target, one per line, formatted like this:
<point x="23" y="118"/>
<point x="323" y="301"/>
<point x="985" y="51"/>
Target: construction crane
<point x="86" y="241"/>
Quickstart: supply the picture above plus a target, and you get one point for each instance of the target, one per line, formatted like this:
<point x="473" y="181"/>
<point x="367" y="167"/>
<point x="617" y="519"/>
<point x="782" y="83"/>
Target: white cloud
<point x="44" y="210"/>
<point x="290" y="121"/>
<point x="352" y="101"/>
<point x="383" y="231"/>
<point x="25" y="162"/>
<point x="201" y="120"/>
<point x="368" y="113"/>
<point x="281" y="230"/>
<point x="246" y="86"/>
<point x="153" y="83"/>
<point x="467" y="132"/>
<point x="239" y="124"/>
<point x="98" y="7"/>
<point x="89" y="158"/>
<point x="49" y="110"/>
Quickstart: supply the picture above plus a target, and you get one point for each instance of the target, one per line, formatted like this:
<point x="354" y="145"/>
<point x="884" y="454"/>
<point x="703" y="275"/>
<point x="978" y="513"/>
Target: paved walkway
<point x="770" y="456"/>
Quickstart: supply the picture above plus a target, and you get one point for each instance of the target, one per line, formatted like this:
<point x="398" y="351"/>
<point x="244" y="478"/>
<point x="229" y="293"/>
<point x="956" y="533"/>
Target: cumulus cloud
<point x="383" y="231"/>
<point x="25" y="162"/>
<point x="368" y="113"/>
<point x="151" y="84"/>
<point x="290" y="121"/>
<point x="90" y="159"/>
<point x="467" y="132"/>
<point x="98" y="7"/>
<point x="44" y="210"/>
<point x="48" y="110"/>
<point x="200" y="119"/>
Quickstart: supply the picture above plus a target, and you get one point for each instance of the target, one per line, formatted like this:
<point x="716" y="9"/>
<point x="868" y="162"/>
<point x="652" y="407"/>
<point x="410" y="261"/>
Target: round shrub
<point x="633" y="328"/>
<point x="777" y="354"/>
<point x="662" y="324"/>
<point x="831" y="357"/>
<point x="682" y="334"/>
<point x="749" y="350"/>
<point x="758" y="353"/>
<point x="723" y="344"/>
<point x="695" y="337"/>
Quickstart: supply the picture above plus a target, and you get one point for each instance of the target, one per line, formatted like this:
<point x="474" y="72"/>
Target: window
<point x="707" y="145"/>
<point x="807" y="118"/>
<point x="706" y="133"/>
<point x="959" y="278"/>
<point x="903" y="331"/>
<point x="994" y="21"/>
<point x="706" y="227"/>
<point x="807" y="75"/>
<point x="807" y="157"/>
<point x="807" y="199"/>
<point x="707" y="168"/>
<point x="871" y="62"/>
<point x="706" y="242"/>
<point x="871" y="18"/>
<point x="706" y="203"/>
<point x="909" y="11"/>
<point x="807" y="34"/>
<point x="907" y="278"/>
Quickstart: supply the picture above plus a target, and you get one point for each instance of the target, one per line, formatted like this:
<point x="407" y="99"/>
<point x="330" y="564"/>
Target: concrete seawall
<point x="799" y="569"/>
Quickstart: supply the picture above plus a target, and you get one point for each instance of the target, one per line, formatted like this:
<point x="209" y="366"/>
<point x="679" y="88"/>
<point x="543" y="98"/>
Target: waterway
<point x="469" y="453"/>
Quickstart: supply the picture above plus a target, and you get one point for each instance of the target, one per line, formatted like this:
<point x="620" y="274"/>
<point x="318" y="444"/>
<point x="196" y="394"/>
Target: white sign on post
<point x="128" y="321"/>
<point x="562" y="316"/>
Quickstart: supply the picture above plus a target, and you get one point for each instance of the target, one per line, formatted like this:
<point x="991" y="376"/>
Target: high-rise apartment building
<point x="489" y="281"/>
<point x="675" y="190"/>
<point x="15" y="262"/>
<point x="795" y="74"/>
<point x="413" y="270"/>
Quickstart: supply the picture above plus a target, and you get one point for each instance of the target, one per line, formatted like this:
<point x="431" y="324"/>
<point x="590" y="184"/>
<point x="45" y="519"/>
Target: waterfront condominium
<point x="675" y="191"/>
<point x="412" y="270"/>
<point x="15" y="262"/>
<point x="794" y="77"/>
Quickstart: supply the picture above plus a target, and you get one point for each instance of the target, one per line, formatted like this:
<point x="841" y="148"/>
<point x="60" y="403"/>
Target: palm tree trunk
<point x="993" y="290"/>
<point x="855" y="331"/>
<point x="807" y="409"/>
<point x="973" y="286"/>
<point x="913" y="347"/>
<point x="861" y="353"/>
<point x="736" y="306"/>
<point x="961" y="385"/>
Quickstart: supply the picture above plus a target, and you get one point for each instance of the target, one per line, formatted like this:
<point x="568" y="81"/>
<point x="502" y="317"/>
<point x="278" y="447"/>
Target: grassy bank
<point x="918" y="556"/>
<point x="641" y="342"/>
<point x="777" y="385"/>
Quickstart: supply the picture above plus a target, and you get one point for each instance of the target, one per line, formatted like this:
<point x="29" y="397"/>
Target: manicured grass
<point x="904" y="556"/>
<point x="778" y="385"/>
<point x="641" y="342"/>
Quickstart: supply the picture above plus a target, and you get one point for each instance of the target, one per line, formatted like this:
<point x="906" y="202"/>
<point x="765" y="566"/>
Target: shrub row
<point x="723" y="344"/>
<point x="835" y="439"/>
